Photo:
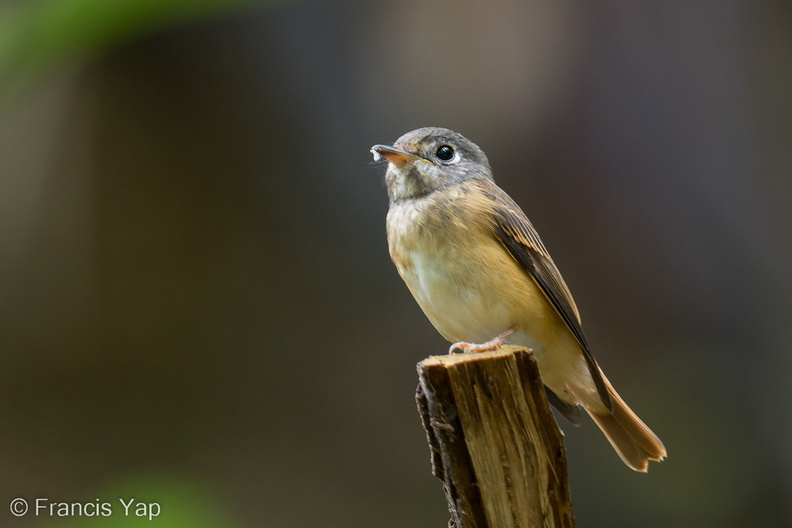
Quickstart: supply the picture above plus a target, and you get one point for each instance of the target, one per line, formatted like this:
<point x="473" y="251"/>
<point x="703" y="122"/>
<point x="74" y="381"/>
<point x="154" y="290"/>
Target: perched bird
<point x="483" y="277"/>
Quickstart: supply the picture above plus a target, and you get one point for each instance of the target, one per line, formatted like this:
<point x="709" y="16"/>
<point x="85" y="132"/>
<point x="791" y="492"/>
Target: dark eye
<point x="444" y="153"/>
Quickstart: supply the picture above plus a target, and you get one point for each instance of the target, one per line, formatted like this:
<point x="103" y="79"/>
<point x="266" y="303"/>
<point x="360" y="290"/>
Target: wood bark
<point x="494" y="442"/>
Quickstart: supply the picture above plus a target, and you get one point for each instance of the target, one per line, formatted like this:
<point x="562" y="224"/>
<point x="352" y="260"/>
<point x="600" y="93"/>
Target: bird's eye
<point x="444" y="153"/>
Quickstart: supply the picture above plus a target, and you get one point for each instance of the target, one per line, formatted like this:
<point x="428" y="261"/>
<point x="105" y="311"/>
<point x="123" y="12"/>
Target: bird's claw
<point x="463" y="347"/>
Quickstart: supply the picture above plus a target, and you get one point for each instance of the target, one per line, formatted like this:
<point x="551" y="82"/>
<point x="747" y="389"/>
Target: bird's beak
<point x="393" y="155"/>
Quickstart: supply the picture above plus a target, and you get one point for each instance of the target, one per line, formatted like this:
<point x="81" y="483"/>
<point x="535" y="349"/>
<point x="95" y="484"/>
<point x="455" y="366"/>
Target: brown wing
<point x="518" y="236"/>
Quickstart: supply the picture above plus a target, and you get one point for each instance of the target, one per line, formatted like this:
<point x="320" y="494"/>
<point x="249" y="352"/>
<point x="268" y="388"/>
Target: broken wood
<point x="494" y="442"/>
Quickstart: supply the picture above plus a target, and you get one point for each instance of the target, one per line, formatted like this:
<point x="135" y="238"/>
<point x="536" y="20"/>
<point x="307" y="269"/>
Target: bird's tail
<point x="635" y="443"/>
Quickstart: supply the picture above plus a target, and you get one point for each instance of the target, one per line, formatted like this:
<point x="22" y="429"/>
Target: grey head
<point x="427" y="159"/>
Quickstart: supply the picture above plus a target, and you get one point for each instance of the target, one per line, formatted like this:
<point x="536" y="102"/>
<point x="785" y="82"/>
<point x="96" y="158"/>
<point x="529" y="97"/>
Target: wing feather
<point x="515" y="232"/>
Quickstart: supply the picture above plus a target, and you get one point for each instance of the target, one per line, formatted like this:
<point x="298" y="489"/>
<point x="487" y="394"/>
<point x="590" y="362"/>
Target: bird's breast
<point x="468" y="286"/>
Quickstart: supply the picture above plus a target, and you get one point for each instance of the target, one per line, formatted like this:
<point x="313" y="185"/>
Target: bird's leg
<point x="466" y="347"/>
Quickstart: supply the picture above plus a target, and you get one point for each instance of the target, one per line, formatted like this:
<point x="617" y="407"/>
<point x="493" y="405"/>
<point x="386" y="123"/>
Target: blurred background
<point x="197" y="307"/>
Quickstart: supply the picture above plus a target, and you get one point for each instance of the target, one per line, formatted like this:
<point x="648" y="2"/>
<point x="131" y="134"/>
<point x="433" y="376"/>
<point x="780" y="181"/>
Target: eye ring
<point x="446" y="153"/>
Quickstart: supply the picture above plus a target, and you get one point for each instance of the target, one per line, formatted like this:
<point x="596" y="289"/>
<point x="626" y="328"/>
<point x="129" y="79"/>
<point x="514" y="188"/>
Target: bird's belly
<point x="475" y="301"/>
<point x="470" y="298"/>
<point x="460" y="312"/>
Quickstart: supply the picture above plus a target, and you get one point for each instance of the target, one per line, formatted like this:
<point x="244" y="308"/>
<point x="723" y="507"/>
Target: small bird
<point x="482" y="275"/>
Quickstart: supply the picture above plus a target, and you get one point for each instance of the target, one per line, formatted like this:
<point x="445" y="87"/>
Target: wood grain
<point x="495" y="443"/>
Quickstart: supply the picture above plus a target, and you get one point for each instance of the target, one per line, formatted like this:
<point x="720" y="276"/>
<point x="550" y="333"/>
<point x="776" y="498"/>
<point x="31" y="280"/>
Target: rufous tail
<point x="635" y="443"/>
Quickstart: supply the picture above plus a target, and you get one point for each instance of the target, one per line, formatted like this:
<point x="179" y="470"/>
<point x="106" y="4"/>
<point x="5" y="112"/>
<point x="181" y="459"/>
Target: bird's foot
<point x="468" y="348"/>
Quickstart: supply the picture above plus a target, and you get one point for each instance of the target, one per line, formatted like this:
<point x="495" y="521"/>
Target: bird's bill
<point x="392" y="154"/>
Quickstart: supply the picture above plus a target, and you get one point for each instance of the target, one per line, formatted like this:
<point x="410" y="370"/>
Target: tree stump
<point x="494" y="442"/>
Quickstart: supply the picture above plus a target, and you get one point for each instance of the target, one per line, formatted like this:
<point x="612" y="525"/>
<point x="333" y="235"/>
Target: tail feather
<point x="635" y="443"/>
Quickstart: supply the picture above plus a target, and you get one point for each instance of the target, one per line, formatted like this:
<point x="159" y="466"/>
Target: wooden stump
<point x="494" y="442"/>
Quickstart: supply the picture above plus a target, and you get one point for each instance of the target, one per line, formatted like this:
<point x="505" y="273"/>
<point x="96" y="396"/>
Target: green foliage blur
<point x="148" y="500"/>
<point x="40" y="34"/>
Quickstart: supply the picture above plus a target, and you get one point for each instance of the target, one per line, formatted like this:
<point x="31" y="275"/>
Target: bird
<point x="482" y="276"/>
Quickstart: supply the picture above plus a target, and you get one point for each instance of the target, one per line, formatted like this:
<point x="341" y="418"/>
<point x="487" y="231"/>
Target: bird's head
<point x="427" y="159"/>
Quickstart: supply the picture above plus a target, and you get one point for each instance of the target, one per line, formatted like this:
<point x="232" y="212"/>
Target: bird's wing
<point x="515" y="232"/>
